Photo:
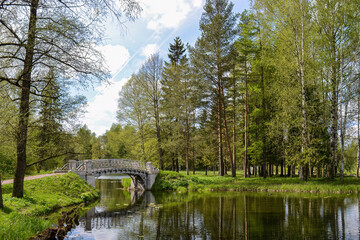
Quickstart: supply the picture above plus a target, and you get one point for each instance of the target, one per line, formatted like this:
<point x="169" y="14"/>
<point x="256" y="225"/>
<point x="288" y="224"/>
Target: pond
<point x="222" y="215"/>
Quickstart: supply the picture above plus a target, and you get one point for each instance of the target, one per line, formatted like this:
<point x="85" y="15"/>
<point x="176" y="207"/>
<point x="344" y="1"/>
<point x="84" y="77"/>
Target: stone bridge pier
<point x="142" y="174"/>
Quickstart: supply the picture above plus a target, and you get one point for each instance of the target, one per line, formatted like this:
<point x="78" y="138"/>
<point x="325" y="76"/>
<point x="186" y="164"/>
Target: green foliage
<point x="126" y="182"/>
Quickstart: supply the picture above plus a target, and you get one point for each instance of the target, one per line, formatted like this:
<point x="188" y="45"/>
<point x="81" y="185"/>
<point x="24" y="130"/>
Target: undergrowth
<point x="173" y="181"/>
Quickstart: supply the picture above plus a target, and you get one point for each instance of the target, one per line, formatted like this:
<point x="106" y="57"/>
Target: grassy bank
<point x="23" y="218"/>
<point x="168" y="180"/>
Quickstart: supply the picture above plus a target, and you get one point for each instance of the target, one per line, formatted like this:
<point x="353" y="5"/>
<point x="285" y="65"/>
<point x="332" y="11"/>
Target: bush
<point x="126" y="182"/>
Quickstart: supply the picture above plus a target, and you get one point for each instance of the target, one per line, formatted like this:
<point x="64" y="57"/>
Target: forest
<point x="274" y="89"/>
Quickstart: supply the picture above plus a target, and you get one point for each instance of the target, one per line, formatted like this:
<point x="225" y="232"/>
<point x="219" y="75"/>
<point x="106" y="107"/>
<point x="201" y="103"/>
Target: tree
<point x="178" y="98"/>
<point x="120" y="141"/>
<point x="62" y="40"/>
<point x="84" y="139"/>
<point x="210" y="57"/>
<point x="149" y="79"/>
<point x="246" y="49"/>
<point x="56" y="109"/>
<point x="338" y="42"/>
<point x="133" y="108"/>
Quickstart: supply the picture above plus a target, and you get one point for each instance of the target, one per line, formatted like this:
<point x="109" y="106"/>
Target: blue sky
<point x="126" y="48"/>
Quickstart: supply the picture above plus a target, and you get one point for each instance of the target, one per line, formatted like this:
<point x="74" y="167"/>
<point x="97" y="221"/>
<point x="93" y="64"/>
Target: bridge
<point x="142" y="174"/>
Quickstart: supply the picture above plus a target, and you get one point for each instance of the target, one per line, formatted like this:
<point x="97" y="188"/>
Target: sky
<point x="125" y="49"/>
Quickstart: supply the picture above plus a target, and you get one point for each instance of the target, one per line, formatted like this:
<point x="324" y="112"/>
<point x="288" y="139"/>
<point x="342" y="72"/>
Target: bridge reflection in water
<point x="99" y="218"/>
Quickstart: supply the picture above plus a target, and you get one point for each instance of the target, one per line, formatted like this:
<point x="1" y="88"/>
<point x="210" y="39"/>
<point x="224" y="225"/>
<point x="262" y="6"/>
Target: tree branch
<point x="48" y="158"/>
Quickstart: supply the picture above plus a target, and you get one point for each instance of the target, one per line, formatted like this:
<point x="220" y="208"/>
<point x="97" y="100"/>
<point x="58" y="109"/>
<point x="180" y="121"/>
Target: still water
<point x="227" y="215"/>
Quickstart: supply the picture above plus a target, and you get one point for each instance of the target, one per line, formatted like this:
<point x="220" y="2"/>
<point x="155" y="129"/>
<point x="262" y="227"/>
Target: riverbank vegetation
<point x="23" y="218"/>
<point x="180" y="182"/>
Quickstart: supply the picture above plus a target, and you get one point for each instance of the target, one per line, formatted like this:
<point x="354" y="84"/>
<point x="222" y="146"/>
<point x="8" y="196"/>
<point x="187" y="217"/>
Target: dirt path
<point x="31" y="177"/>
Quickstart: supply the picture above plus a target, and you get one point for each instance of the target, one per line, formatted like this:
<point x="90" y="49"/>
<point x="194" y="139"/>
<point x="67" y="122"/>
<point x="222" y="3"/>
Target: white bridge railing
<point x="99" y="164"/>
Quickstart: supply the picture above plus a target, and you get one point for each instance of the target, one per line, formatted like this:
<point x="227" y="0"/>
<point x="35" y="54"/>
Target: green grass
<point x="168" y="180"/>
<point x="23" y="218"/>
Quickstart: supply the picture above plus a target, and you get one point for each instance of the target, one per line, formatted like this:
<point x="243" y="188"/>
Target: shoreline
<point x="180" y="182"/>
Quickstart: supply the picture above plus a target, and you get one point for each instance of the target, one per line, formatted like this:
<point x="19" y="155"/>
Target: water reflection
<point x="120" y="215"/>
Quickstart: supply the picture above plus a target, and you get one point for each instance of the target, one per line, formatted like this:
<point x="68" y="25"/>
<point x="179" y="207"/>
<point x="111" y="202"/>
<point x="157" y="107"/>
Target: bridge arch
<point x="142" y="174"/>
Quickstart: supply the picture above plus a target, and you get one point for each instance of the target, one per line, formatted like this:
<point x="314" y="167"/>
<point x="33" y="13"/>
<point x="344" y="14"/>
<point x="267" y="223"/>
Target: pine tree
<point x="211" y="58"/>
<point x="247" y="49"/>
<point x="178" y="90"/>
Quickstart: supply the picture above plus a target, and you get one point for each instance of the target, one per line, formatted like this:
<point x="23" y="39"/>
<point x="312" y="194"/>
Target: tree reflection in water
<point x="225" y="215"/>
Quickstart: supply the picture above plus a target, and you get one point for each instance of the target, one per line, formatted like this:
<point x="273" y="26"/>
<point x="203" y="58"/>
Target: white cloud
<point x="101" y="112"/>
<point x="197" y="3"/>
<point x="149" y="49"/>
<point x="115" y="56"/>
<point x="168" y="14"/>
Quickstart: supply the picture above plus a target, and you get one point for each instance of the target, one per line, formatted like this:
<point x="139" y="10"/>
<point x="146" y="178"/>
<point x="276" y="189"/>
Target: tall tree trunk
<point x="334" y="112"/>
<point x="246" y="122"/>
<point x="303" y="167"/>
<point x="263" y="123"/>
<point x="193" y="158"/>
<point x="24" y="111"/>
<point x="342" y="139"/>
<point x="233" y="172"/>
<point x="221" y="161"/>
<point x="342" y="119"/>
<point x="158" y="133"/>
<point x="263" y="113"/>
<point x="187" y="131"/>
<point x="187" y="144"/>
<point x="173" y="167"/>
<point x="142" y="138"/>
